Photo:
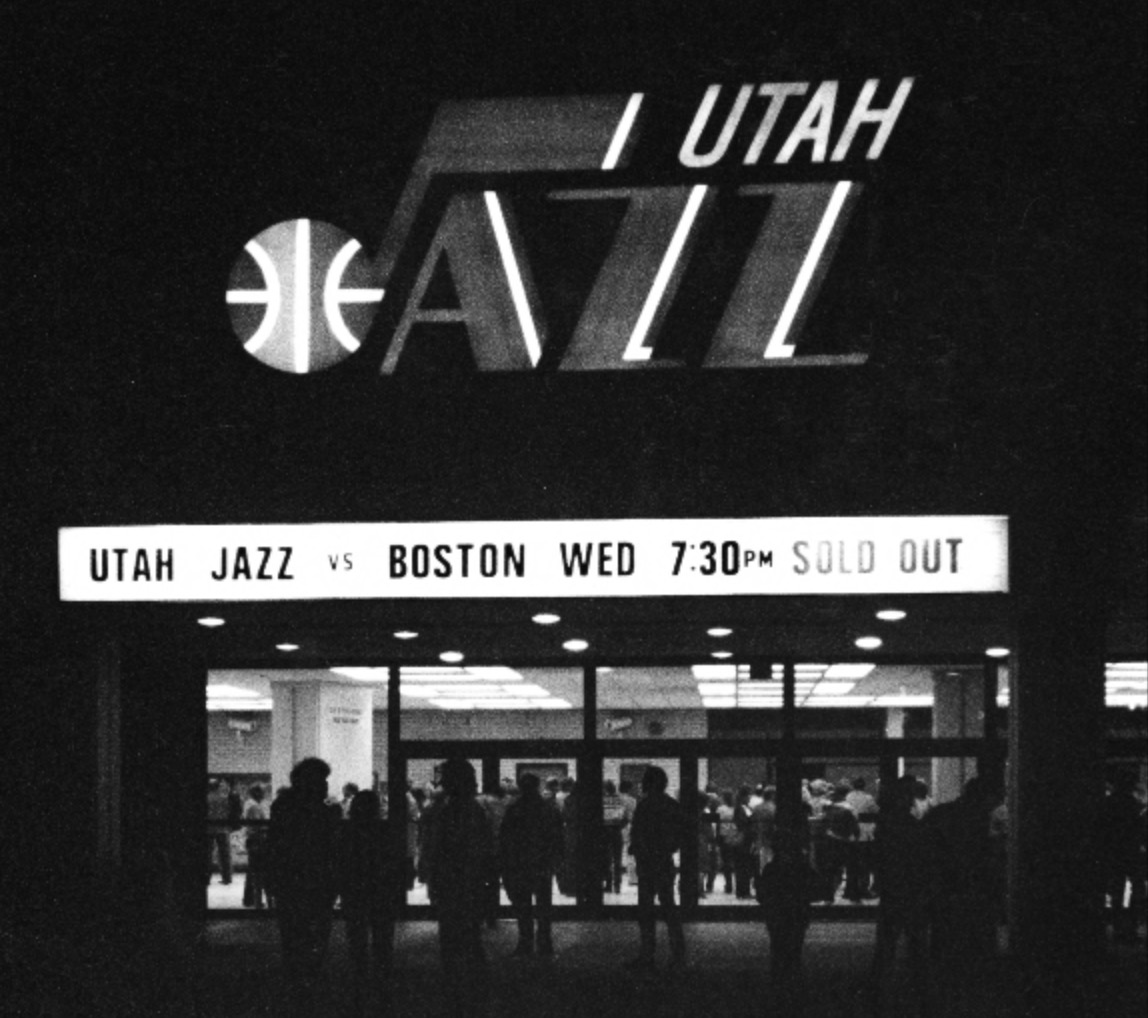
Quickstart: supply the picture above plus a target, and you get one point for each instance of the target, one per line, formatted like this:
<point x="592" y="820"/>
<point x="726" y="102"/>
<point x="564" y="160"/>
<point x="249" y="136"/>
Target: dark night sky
<point x="1006" y="266"/>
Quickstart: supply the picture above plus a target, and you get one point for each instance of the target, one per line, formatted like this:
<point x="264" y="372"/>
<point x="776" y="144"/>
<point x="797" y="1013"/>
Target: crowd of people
<point x="938" y="870"/>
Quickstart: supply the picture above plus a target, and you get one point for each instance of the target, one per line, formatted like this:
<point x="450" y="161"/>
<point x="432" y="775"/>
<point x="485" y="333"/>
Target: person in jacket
<point x="659" y="830"/>
<point x="531" y="847"/>
<point x="905" y="868"/>
<point x="459" y="861"/>
<point x="301" y="876"/>
<point x="370" y="876"/>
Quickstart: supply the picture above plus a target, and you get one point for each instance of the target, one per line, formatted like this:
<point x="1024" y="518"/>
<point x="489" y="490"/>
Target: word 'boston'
<point x="454" y="252"/>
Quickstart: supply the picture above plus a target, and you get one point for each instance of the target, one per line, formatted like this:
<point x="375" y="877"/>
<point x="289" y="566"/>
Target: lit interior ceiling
<point x="684" y="687"/>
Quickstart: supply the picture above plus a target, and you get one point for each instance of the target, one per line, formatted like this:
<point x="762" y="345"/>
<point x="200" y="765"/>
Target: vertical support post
<point x="590" y="848"/>
<point x="396" y="772"/>
<point x="691" y="861"/>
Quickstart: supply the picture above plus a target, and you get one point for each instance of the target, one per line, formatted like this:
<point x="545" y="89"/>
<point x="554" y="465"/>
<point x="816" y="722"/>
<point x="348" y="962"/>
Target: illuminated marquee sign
<point x="536" y="558"/>
<point x="738" y="202"/>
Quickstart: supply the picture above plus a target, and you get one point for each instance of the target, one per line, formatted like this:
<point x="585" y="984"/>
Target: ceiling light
<point x="224" y="692"/>
<point x="848" y="671"/>
<point x="833" y="688"/>
<point x="546" y="618"/>
<point x="451" y="656"/>
<point x="714" y="671"/>
<point x="363" y="674"/>
<point x="719" y="631"/>
<point x="868" y="642"/>
<point x="717" y="688"/>
<point x="576" y="645"/>
<point x="405" y="634"/>
<point x="721" y="655"/>
<point x="997" y="651"/>
<point x="890" y="615"/>
<point x="287" y="647"/>
<point x="210" y="621"/>
<point x="239" y="706"/>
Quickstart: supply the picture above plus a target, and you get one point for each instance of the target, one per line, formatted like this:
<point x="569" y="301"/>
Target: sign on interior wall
<point x="574" y="233"/>
<point x="536" y="558"/>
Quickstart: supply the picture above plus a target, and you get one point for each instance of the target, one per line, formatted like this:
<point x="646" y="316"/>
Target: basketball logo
<point x="301" y="297"/>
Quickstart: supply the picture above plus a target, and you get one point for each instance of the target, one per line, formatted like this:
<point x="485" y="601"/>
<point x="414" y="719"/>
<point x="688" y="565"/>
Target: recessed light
<point x="891" y="615"/>
<point x="405" y="634"/>
<point x="997" y="652"/>
<point x="719" y="631"/>
<point x="576" y="645"/>
<point x="210" y="621"/>
<point x="722" y="654"/>
<point x="868" y="642"/>
<point x="287" y="646"/>
<point x="451" y="656"/>
<point x="546" y="618"/>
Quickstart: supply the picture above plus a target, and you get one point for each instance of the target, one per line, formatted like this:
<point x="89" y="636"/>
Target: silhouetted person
<point x="531" y="847"/>
<point x="659" y="829"/>
<point x="905" y="869"/>
<point x="370" y="876"/>
<point x="1122" y="851"/>
<point x="303" y="840"/>
<point x="459" y="860"/>
<point x="786" y="888"/>
<point x="964" y="909"/>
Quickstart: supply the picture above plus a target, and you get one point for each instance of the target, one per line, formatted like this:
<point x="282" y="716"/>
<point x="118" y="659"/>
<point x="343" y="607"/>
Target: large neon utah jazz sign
<point x="567" y="233"/>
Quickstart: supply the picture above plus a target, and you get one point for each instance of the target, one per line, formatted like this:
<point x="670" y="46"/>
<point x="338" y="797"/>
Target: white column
<point x="324" y="718"/>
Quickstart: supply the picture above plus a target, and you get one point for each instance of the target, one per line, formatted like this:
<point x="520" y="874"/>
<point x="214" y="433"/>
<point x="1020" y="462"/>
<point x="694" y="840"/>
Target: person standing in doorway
<point x="531" y="847"/>
<point x="302" y="850"/>
<point x="659" y="830"/>
<point x="370" y="878"/>
<point x="459" y="861"/>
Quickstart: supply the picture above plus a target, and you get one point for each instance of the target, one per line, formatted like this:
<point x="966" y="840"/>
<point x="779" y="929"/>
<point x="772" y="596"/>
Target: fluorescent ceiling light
<point x="546" y="618"/>
<point x="702" y="672"/>
<point x="210" y="621"/>
<point x="363" y="674"/>
<point x="719" y="631"/>
<point x="230" y="692"/>
<point x="451" y="656"/>
<point x="717" y="688"/>
<point x="890" y="614"/>
<point x="997" y="651"/>
<point x="287" y="647"/>
<point x="239" y="706"/>
<point x="849" y="671"/>
<point x="833" y="688"/>
<point x="406" y="634"/>
<point x="576" y="645"/>
<point x="868" y="642"/>
<point x="722" y="654"/>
